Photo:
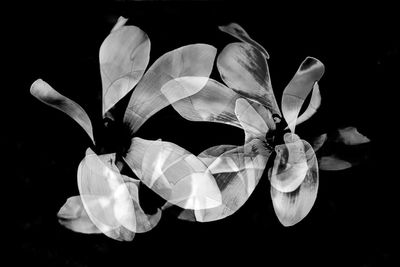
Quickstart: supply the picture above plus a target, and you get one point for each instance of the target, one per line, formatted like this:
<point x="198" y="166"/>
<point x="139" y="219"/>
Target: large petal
<point x="73" y="216"/>
<point x="173" y="173"/>
<point x="124" y="56"/>
<point x="216" y="103"/>
<point x="292" y="207"/>
<point x="188" y="61"/>
<point x="244" y="68"/>
<point x="45" y="93"/>
<point x="309" y="72"/>
<point x="237" y="31"/>
<point x="105" y="196"/>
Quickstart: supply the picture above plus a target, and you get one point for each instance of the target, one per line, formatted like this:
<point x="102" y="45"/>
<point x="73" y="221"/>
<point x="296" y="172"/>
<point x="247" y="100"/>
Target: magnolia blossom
<point x="218" y="181"/>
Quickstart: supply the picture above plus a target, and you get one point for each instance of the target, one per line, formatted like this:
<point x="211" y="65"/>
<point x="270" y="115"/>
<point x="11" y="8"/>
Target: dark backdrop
<point x="351" y="223"/>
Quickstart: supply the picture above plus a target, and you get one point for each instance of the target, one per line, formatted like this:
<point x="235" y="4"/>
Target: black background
<point x="353" y="220"/>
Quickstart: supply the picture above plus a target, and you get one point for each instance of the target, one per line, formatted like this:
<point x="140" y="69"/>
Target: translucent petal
<point x="244" y="68"/>
<point x="313" y="106"/>
<point x="124" y="56"/>
<point x="173" y="173"/>
<point x="290" y="165"/>
<point x="309" y="72"/>
<point x="45" y="93"/>
<point x="144" y="222"/>
<point x="73" y="216"/>
<point x="333" y="163"/>
<point x="319" y="142"/>
<point x="351" y="136"/>
<point x="292" y="207"/>
<point x="105" y="196"/>
<point x="238" y="32"/>
<point x="236" y="178"/>
<point x="252" y="123"/>
<point x="216" y="103"/>
<point x="188" y="61"/>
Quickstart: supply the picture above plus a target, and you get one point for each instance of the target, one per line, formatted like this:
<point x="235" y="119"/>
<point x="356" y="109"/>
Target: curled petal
<point x="45" y="93"/>
<point x="105" y="196"/>
<point x="173" y="173"/>
<point x="124" y="56"/>
<point x="351" y="136"/>
<point x="188" y="61"/>
<point x="73" y="216"/>
<point x="309" y="72"/>
<point x="313" y="106"/>
<point x="238" y="32"/>
<point x="290" y="165"/>
<point x="292" y="207"/>
<point x="333" y="163"/>
<point x="244" y="68"/>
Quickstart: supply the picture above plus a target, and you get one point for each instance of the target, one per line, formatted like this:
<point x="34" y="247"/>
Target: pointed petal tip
<point x="120" y="23"/>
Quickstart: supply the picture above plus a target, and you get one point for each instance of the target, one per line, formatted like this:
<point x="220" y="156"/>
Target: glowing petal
<point x="105" y="196"/>
<point x="174" y="174"/>
<point x="244" y="68"/>
<point x="237" y="31"/>
<point x="290" y="165"/>
<point x="45" y="93"/>
<point x="292" y="207"/>
<point x="73" y="216"/>
<point x="313" y="106"/>
<point x="333" y="163"/>
<point x="309" y="72"/>
<point x="188" y="61"/>
<point x="351" y="136"/>
<point x="124" y="56"/>
<point x="319" y="142"/>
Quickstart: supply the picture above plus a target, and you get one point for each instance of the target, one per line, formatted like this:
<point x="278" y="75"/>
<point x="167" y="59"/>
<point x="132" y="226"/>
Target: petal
<point x="215" y="103"/>
<point x="333" y="163"/>
<point x="188" y="61"/>
<point x="244" y="68"/>
<point x="236" y="178"/>
<point x="124" y="56"/>
<point x="290" y="164"/>
<point x="144" y="222"/>
<point x="73" y="216"/>
<point x="45" y="93"/>
<point x="309" y="72"/>
<point x="351" y="136"/>
<point x="105" y="196"/>
<point x="319" y="142"/>
<point x="313" y="106"/>
<point x="173" y="173"/>
<point x="252" y="123"/>
<point x="292" y="207"/>
<point x="237" y="31"/>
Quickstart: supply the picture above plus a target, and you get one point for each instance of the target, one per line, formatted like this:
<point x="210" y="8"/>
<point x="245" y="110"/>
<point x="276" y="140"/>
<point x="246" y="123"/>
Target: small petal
<point x="45" y="93"/>
<point x="309" y="72"/>
<point x="244" y="68"/>
<point x="124" y="56"/>
<point x="333" y="163"/>
<point x="238" y="32"/>
<point x="73" y="216"/>
<point x="351" y="136"/>
<point x="313" y="106"/>
<point x="147" y="99"/>
<point x="319" y="142"/>
<point x="292" y="207"/>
